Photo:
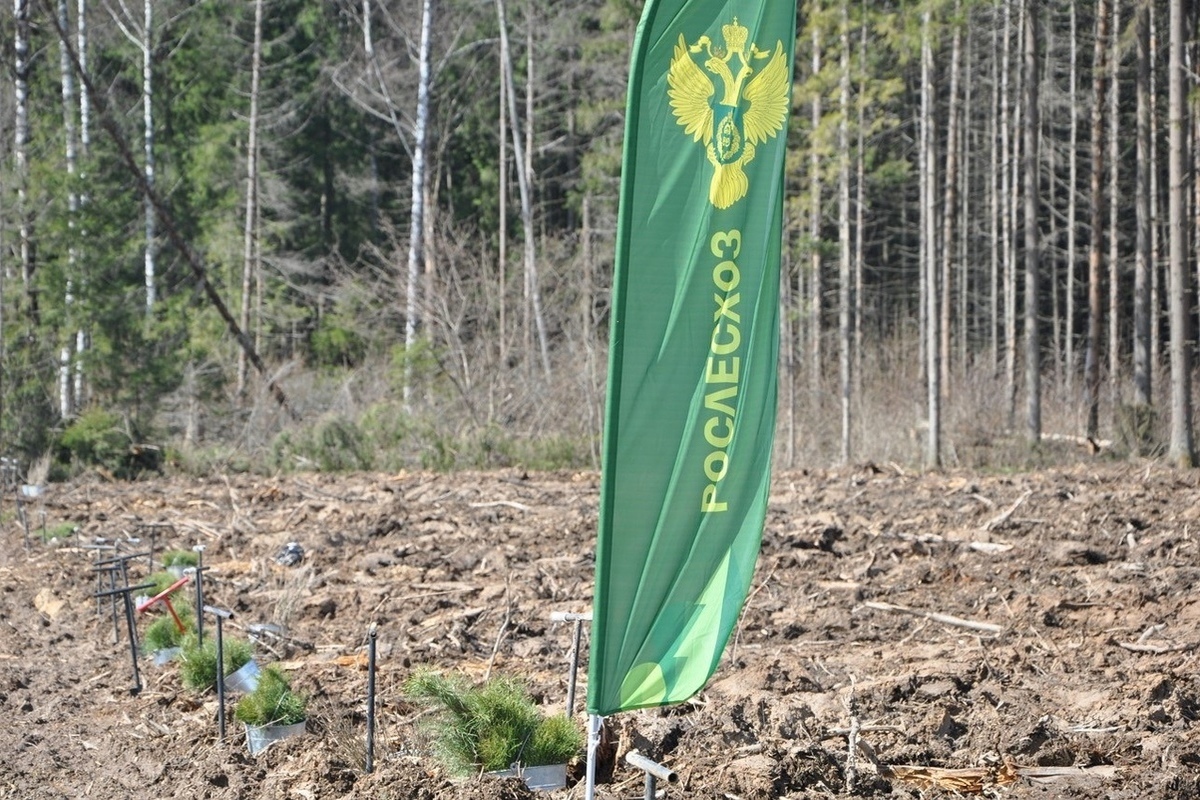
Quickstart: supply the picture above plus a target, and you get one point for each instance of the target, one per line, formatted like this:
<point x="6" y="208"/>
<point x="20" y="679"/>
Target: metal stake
<point x="199" y="549"/>
<point x="24" y="520"/>
<point x="112" y="566"/>
<point x="126" y="592"/>
<point x="371" y="699"/>
<point x="221" y="614"/>
<point x="578" y="619"/>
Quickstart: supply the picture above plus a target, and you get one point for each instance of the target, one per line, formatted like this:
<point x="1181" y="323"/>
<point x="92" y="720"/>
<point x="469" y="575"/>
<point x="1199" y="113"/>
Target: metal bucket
<point x="260" y="737"/>
<point x="548" y="778"/>
<point x="244" y="679"/>
<point x="165" y="656"/>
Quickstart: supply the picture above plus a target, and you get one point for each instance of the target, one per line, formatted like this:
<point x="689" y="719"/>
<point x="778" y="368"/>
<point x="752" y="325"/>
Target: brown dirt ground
<point x="1065" y="665"/>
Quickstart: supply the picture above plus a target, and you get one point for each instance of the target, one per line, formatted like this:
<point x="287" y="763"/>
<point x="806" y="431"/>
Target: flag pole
<point x="595" y="723"/>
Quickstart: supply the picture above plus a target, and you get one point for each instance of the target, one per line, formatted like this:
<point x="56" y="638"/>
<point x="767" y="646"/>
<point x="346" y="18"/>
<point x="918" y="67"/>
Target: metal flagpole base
<point x="595" y="723"/>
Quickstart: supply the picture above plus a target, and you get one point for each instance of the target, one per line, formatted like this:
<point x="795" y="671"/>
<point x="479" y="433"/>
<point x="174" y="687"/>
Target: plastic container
<point x="260" y="737"/>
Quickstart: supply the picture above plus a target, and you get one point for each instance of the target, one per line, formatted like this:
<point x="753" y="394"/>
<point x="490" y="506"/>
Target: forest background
<point x="324" y="234"/>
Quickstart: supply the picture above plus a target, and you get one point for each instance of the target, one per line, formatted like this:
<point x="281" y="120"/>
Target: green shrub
<point x="490" y="727"/>
<point x="96" y="440"/>
<point x="272" y="702"/>
<point x="180" y="558"/>
<point x="161" y="581"/>
<point x="163" y="633"/>
<point x="62" y="530"/>
<point x="333" y="444"/>
<point x="198" y="662"/>
<point x="337" y="346"/>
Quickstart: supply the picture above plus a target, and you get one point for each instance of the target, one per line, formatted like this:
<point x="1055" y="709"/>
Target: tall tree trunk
<point x="502" y="233"/>
<point x="1114" y="211"/>
<point x="844" y="341"/>
<point x="250" y="228"/>
<point x="997" y="153"/>
<point x="1156" y="272"/>
<point x="1142" y="370"/>
<point x="21" y="157"/>
<point x="929" y="233"/>
<point x="524" y="179"/>
<point x="860" y="211"/>
<point x="1099" y="88"/>
<point x="966" y="222"/>
<point x="1181" y="448"/>
<point x="1013" y="274"/>
<point x="816" y="288"/>
<point x="1008" y="193"/>
<point x="949" y="208"/>
<point x="416" y="230"/>
<point x="1033" y="362"/>
<point x="1072" y="203"/>
<point x="151" y="245"/>
<point x="85" y="143"/>
<point x="67" y="76"/>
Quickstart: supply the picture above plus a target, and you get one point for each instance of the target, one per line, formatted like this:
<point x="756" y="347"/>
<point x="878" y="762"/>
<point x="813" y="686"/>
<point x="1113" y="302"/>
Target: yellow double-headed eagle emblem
<point x="751" y="109"/>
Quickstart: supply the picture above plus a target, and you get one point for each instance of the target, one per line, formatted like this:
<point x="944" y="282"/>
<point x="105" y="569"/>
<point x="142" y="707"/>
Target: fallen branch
<point x="977" y="780"/>
<point x="945" y="619"/>
<point x="1003" y="516"/>
<point x="1156" y="649"/>
<point x="509" y="503"/>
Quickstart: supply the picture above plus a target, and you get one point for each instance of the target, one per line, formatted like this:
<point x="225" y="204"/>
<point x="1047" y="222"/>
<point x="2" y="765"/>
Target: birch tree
<point x="1114" y="209"/>
<point x="250" y="244"/>
<point x="816" y="290"/>
<point x="1072" y="199"/>
<point x="67" y="79"/>
<point x="21" y="157"/>
<point x="416" y="231"/>
<point x="949" y="205"/>
<point x="141" y="35"/>
<point x="1143" y="167"/>
<point x="1099" y="88"/>
<point x="933" y="454"/>
<point x="1181" y="451"/>
<point x="843" y="135"/>
<point x="1033" y="362"/>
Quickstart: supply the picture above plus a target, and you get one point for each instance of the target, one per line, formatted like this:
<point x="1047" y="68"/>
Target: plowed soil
<point x="907" y="635"/>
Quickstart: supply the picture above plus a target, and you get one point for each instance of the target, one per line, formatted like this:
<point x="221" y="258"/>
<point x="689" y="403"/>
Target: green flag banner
<point x="690" y="417"/>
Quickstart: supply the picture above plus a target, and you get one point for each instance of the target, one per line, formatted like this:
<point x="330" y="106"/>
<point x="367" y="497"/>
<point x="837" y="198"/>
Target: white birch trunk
<point x="1033" y="364"/>
<point x="929" y="234"/>
<point x="1072" y="203"/>
<point x="66" y="406"/>
<point x="1092" y="358"/>
<point x="85" y="143"/>
<point x="1142" y="368"/>
<point x="1181" y="448"/>
<point x="416" y="237"/>
<point x="21" y="154"/>
<point x="1115" y="205"/>
<point x="250" y="228"/>
<point x="844" y="231"/>
<point x="814" y="232"/>
<point x="148" y="148"/>
<point x="949" y="208"/>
